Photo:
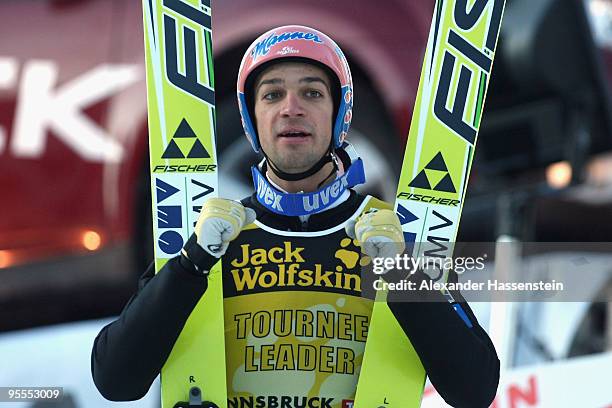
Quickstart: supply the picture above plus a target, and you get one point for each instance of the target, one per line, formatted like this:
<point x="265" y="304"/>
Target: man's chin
<point x="294" y="163"/>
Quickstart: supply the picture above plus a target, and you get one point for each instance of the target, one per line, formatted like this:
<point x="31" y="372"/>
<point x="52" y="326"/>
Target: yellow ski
<point x="181" y="107"/>
<point x="433" y="181"/>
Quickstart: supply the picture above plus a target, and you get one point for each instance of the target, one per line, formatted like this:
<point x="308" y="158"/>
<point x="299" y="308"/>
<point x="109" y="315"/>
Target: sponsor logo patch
<point x="196" y="148"/>
<point x="436" y="171"/>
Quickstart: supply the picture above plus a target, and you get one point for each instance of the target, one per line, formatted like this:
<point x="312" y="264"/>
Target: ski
<point x="433" y="181"/>
<point x="181" y="117"/>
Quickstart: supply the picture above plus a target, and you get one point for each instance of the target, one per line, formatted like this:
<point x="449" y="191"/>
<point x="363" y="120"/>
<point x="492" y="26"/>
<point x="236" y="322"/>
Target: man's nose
<point x="292" y="105"/>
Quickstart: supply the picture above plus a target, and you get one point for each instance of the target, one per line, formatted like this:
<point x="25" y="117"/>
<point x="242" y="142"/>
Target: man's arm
<point x="457" y="354"/>
<point x="460" y="360"/>
<point x="129" y="353"/>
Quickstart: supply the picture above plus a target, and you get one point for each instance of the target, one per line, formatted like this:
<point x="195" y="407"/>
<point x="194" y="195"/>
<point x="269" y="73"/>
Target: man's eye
<point x="271" y="95"/>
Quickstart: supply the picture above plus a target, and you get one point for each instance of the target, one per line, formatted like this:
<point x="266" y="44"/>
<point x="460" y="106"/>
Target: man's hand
<point x="220" y="222"/>
<point x="378" y="232"/>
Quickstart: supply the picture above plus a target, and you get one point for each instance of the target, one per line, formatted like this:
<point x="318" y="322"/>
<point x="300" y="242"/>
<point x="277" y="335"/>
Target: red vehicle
<point x="73" y="133"/>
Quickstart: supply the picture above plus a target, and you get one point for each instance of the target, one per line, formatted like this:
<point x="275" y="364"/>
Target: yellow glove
<point x="220" y="222"/>
<point x="378" y="232"/>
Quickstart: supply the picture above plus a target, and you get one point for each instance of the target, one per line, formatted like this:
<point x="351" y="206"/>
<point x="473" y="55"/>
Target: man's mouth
<point x="294" y="134"/>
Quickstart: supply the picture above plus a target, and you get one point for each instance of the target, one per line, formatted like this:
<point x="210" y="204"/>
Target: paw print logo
<point x="349" y="257"/>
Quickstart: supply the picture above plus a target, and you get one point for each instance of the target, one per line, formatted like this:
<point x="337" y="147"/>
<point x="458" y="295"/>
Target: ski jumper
<point x="295" y="320"/>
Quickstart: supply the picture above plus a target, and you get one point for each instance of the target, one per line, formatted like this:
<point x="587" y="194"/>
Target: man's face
<point x="293" y="110"/>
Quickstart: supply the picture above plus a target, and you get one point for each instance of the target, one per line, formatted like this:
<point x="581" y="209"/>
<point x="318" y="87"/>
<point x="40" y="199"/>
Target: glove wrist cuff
<point x="201" y="259"/>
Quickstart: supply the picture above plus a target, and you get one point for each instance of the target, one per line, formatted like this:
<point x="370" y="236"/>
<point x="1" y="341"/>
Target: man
<point x="296" y="323"/>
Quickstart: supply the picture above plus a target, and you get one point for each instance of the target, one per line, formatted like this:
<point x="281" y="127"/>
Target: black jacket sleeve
<point x="461" y="361"/>
<point x="129" y="353"/>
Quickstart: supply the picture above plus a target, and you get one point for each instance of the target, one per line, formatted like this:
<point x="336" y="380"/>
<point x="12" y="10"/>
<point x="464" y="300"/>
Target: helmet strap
<point x="328" y="157"/>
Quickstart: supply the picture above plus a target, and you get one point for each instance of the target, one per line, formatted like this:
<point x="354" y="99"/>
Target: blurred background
<point x="75" y="214"/>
